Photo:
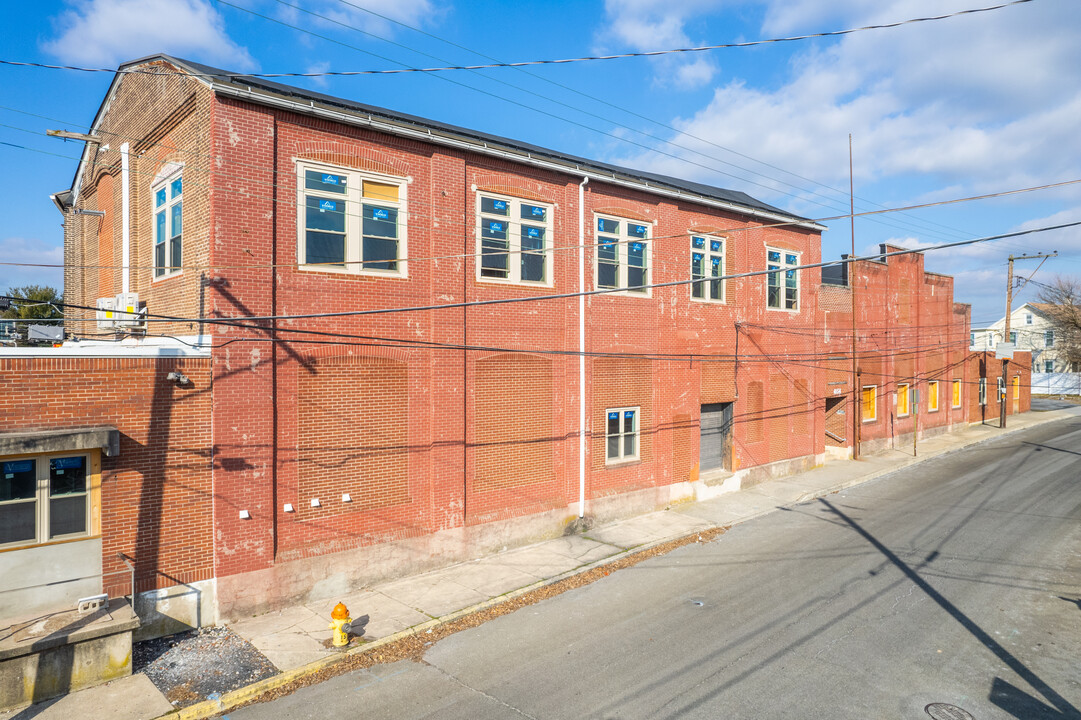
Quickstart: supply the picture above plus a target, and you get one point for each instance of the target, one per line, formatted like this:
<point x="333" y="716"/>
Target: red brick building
<point x="407" y="342"/>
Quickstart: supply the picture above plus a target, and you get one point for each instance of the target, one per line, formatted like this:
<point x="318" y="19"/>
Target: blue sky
<point x="977" y="104"/>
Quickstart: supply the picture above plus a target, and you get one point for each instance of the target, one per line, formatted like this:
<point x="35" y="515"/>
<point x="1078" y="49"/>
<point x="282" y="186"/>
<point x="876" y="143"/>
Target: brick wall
<point x="156" y="494"/>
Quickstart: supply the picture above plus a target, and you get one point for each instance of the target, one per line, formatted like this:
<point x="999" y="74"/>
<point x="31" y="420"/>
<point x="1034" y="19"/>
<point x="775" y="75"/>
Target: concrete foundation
<point x="176" y="609"/>
<point x="48" y="656"/>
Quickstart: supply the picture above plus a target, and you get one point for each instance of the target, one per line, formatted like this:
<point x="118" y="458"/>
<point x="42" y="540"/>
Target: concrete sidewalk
<point x="295" y="639"/>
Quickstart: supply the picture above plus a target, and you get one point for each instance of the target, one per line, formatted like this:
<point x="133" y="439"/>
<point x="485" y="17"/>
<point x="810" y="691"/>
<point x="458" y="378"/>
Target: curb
<point x="230" y="700"/>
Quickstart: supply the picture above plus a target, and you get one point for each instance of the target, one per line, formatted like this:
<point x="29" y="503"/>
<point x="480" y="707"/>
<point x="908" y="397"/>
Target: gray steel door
<point x="715" y="448"/>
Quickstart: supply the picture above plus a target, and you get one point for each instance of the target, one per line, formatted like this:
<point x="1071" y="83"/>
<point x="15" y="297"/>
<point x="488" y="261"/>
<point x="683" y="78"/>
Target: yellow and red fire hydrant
<point x="340" y="624"/>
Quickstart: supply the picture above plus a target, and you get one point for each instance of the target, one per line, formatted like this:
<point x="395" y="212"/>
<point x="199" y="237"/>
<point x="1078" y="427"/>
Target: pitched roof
<point x="263" y="91"/>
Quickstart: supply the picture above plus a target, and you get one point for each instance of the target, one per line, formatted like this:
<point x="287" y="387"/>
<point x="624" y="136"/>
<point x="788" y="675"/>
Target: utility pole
<point x="1006" y="330"/>
<point x="857" y="404"/>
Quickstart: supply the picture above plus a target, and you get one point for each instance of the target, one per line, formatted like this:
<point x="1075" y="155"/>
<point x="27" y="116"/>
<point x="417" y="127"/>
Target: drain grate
<point x="945" y="711"/>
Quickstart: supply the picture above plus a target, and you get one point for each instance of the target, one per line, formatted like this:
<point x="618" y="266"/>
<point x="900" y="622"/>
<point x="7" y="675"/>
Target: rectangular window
<point x="707" y="268"/>
<point x="957" y="393"/>
<point x="621" y="434"/>
<point x="1049" y="338"/>
<point x="869" y="405"/>
<point x="983" y="391"/>
<point x="1049" y="366"/>
<point x="44" y="499"/>
<point x="1013" y="337"/>
<point x="972" y="339"/>
<point x="902" y="399"/>
<point x="1028" y="318"/>
<point x="168" y="197"/>
<point x="623" y="254"/>
<point x="932" y="396"/>
<point x="1016" y="387"/>
<point x="350" y="221"/>
<point x="513" y="239"/>
<point x="782" y="286"/>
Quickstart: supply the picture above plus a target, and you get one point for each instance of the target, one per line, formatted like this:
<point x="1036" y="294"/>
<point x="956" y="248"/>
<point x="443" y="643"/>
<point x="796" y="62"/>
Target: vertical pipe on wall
<point x="582" y="348"/>
<point x="125" y="221"/>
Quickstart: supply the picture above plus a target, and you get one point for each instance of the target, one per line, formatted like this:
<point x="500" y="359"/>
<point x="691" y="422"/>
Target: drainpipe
<point x="125" y="222"/>
<point x="582" y="348"/>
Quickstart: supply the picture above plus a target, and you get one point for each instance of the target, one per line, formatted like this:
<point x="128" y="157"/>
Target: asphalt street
<point x="955" y="581"/>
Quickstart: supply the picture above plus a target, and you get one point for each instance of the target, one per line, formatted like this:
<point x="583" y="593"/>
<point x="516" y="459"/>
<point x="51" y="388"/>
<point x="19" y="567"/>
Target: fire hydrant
<point x="340" y="623"/>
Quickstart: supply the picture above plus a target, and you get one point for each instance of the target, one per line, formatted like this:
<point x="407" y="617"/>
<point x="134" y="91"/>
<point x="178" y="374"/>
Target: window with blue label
<point x="782" y="283"/>
<point x="168" y="196"/>
<point x="621" y="434"/>
<point x="351" y="221"/>
<point x="623" y="254"/>
<point x="707" y="268"/>
<point x="514" y="240"/>
<point x="44" y="499"/>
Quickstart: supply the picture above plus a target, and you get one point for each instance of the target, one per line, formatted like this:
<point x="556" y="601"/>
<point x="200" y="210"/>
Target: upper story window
<point x="1028" y="318"/>
<point x="1049" y="338"/>
<point x="782" y="287"/>
<point x="707" y="268"/>
<point x="623" y="254"/>
<point x="168" y="194"/>
<point x="351" y="221"/>
<point x="43" y="499"/>
<point x="514" y="238"/>
<point x="1013" y="337"/>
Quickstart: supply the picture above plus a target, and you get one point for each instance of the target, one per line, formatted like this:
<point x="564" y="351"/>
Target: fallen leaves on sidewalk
<point x="413" y="647"/>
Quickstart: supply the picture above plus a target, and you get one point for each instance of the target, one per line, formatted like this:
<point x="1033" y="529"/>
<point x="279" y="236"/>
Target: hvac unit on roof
<point x="129" y="312"/>
<point x="106" y="314"/>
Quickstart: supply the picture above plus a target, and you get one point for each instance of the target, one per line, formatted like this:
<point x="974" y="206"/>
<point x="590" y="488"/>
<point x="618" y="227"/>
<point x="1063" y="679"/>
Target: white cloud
<point x="108" y="32"/>
<point x="646" y="25"/>
<point x="32" y="252"/>
<point x="377" y="16"/>
<point x="984" y="102"/>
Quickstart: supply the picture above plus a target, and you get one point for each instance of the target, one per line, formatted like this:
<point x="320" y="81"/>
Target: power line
<point x="609" y="291"/>
<point x="591" y="58"/>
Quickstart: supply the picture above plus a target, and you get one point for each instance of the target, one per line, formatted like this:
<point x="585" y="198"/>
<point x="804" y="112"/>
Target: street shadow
<point x="1015" y="701"/>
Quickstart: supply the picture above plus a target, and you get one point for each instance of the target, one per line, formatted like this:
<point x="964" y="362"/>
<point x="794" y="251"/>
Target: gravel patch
<point x="190" y="666"/>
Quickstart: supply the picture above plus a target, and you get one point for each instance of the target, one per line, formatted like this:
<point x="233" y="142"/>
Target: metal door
<point x="715" y="447"/>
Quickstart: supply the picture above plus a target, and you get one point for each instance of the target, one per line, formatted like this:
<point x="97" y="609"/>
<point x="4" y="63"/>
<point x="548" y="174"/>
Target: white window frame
<point x="1049" y="366"/>
<point x="983" y="391"/>
<point x="787" y="262"/>
<point x="43" y="497"/>
<point x="622" y="241"/>
<point x="515" y="229"/>
<point x="933" y="393"/>
<point x="710" y="258"/>
<point x="354" y="200"/>
<point x="1049" y="338"/>
<point x="171" y="242"/>
<point x="874" y="392"/>
<point x="635" y="431"/>
<point x="1028" y="318"/>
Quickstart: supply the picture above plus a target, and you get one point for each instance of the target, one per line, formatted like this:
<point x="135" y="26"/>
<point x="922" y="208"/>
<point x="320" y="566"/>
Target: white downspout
<point x="582" y="348"/>
<point x="125" y="222"/>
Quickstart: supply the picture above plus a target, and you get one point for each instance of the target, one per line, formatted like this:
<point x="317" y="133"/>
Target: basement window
<point x="46" y="498"/>
<point x="621" y="434"/>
